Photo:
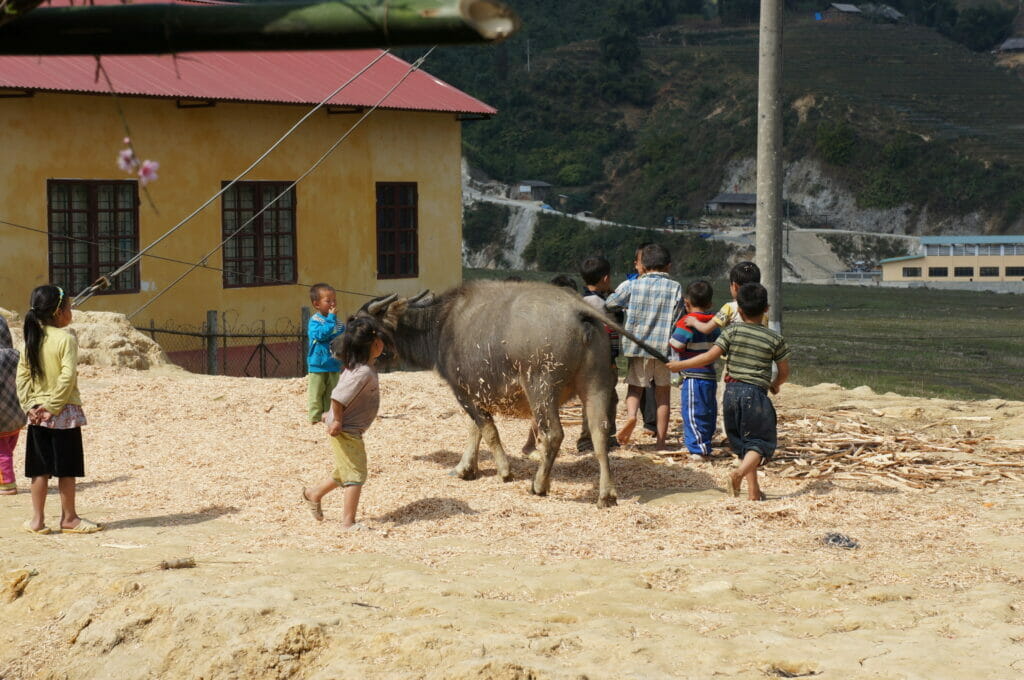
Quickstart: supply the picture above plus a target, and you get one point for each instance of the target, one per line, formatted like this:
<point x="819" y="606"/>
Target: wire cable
<point x="91" y="290"/>
<point x="412" y="68"/>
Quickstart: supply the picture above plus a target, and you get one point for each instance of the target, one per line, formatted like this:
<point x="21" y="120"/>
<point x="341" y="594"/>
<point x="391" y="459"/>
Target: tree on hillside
<point x="619" y="44"/>
<point x="983" y="27"/>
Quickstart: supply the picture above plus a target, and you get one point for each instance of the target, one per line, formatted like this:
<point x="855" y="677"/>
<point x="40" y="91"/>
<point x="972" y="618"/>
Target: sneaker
<point x="585" y="446"/>
<point x="697" y="458"/>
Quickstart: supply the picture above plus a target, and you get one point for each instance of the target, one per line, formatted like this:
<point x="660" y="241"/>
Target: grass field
<point x="917" y="342"/>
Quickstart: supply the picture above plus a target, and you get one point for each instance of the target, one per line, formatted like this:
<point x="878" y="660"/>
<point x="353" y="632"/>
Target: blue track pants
<point x="699" y="409"/>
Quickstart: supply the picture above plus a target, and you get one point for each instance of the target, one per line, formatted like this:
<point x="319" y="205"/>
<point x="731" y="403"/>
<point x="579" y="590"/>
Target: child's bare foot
<point x="314" y="506"/>
<point x="355" y="526"/>
<point x="626" y="431"/>
<point x="8" y="492"/>
<point x="734" y="485"/>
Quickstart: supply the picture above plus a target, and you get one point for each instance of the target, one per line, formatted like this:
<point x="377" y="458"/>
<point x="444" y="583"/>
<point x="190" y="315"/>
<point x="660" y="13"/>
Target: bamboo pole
<point x="16" y="9"/>
<point x="277" y="25"/>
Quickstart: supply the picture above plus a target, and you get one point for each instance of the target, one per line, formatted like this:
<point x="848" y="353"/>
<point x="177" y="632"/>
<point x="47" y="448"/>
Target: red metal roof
<point x="272" y="77"/>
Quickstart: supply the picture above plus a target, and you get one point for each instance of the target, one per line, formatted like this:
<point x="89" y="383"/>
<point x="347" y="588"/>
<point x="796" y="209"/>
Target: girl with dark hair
<point x="47" y="384"/>
<point x="354" y="404"/>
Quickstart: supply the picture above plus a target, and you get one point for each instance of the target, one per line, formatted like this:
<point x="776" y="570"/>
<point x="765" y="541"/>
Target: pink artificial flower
<point x="126" y="160"/>
<point x="147" y="172"/>
<point x="127" y="140"/>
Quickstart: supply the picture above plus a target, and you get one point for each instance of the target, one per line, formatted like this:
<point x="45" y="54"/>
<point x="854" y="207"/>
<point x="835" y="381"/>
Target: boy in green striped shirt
<point x="750" y="350"/>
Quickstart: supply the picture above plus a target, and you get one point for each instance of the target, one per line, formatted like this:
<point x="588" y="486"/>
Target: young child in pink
<point x="12" y="418"/>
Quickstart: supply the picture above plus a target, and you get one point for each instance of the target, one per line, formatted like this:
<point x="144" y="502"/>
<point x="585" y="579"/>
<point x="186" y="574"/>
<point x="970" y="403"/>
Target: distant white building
<point x="960" y="259"/>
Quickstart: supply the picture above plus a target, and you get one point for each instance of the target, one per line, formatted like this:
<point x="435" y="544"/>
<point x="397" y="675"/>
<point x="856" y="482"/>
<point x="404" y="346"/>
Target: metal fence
<point x="871" y="275"/>
<point x="222" y="347"/>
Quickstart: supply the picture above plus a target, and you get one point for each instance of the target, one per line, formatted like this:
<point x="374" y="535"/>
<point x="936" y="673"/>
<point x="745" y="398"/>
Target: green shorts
<point x="349" y="459"/>
<point x="318" y="394"/>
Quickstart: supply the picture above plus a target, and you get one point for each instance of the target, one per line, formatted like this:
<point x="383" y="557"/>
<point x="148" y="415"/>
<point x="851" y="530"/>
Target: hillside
<point x="896" y="121"/>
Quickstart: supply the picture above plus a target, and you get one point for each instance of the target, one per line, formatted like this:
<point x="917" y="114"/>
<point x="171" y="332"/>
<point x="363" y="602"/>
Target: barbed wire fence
<point x="221" y="346"/>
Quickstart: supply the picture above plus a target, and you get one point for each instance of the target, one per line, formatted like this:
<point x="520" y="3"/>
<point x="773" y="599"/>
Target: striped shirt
<point x="750" y="351"/>
<point x="689" y="342"/>
<point x="652" y="303"/>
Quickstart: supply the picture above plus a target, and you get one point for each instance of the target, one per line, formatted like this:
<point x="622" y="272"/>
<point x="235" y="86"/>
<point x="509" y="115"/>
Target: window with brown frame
<point x="93" y="230"/>
<point x="397" y="230"/>
<point x="262" y="253"/>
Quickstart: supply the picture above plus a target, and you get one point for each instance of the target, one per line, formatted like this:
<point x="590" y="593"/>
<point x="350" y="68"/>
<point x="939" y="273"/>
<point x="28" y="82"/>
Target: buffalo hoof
<point x="468" y="475"/>
<point x="507" y="478"/>
<point x="607" y="502"/>
<point x="533" y="490"/>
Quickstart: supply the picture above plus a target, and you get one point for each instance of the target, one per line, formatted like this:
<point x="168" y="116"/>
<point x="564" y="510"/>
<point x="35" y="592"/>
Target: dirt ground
<point x="479" y="579"/>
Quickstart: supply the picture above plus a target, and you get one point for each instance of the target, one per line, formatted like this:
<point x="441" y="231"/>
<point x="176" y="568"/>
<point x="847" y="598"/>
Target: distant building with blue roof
<point x="960" y="259"/>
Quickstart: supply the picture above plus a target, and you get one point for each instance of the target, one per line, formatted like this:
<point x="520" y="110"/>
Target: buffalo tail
<point x="594" y="314"/>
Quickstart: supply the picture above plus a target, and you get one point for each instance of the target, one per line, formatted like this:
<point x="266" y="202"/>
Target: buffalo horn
<point x="425" y="299"/>
<point x="377" y="306"/>
<point x="417" y="297"/>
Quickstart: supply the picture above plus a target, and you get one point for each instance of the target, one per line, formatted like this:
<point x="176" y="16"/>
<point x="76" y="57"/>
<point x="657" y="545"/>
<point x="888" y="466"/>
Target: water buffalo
<point x="514" y="349"/>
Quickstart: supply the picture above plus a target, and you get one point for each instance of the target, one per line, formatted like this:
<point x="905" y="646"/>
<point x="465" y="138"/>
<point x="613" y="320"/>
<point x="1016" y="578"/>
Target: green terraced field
<point x="917" y="342"/>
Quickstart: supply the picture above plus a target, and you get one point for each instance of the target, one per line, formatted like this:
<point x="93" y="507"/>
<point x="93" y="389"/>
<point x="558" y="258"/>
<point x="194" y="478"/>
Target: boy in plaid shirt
<point x="652" y="303"/>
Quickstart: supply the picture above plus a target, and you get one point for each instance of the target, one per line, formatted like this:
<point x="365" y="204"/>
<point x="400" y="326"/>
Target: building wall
<point x="66" y="136"/>
<point x="893" y="271"/>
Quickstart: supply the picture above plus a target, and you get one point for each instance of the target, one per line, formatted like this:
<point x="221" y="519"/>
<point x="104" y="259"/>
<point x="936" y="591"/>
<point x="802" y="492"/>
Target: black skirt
<point x="54" y="453"/>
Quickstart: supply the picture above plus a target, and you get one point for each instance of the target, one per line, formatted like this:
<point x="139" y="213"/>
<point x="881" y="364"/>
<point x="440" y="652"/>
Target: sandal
<point x="84" y="526"/>
<point x="314" y="507"/>
<point x="27" y="526"/>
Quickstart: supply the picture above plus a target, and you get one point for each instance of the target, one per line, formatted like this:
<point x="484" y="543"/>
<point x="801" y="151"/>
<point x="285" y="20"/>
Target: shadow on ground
<point x="179" y="519"/>
<point x="427" y="509"/>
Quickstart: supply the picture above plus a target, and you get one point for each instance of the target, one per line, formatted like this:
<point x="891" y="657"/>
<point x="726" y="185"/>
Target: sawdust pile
<point x="211" y="566"/>
<point x="104" y="339"/>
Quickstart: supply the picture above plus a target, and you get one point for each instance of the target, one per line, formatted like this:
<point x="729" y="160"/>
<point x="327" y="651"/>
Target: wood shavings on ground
<point x="176" y="450"/>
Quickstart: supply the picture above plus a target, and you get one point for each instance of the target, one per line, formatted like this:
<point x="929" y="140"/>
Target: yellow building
<point x="381" y="214"/>
<point x="960" y="259"/>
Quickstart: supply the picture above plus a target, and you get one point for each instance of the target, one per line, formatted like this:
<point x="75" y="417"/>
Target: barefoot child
<point x="749" y="416"/>
<point x="652" y="303"/>
<point x="354" y="404"/>
<point x="12" y="418"/>
<point x="48" y="390"/>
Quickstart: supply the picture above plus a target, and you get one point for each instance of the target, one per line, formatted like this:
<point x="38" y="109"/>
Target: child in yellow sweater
<point x="47" y="384"/>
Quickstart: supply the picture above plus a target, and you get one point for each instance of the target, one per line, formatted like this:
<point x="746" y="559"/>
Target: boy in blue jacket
<point x="324" y="369"/>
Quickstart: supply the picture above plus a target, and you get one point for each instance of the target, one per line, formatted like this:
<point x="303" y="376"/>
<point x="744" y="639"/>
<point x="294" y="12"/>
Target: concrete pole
<point x="769" y="158"/>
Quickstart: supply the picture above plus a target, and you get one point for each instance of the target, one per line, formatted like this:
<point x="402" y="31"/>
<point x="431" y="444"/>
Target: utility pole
<point x="769" y="158"/>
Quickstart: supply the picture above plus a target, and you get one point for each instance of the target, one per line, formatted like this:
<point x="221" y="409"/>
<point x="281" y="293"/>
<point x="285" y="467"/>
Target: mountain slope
<point x="899" y="116"/>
